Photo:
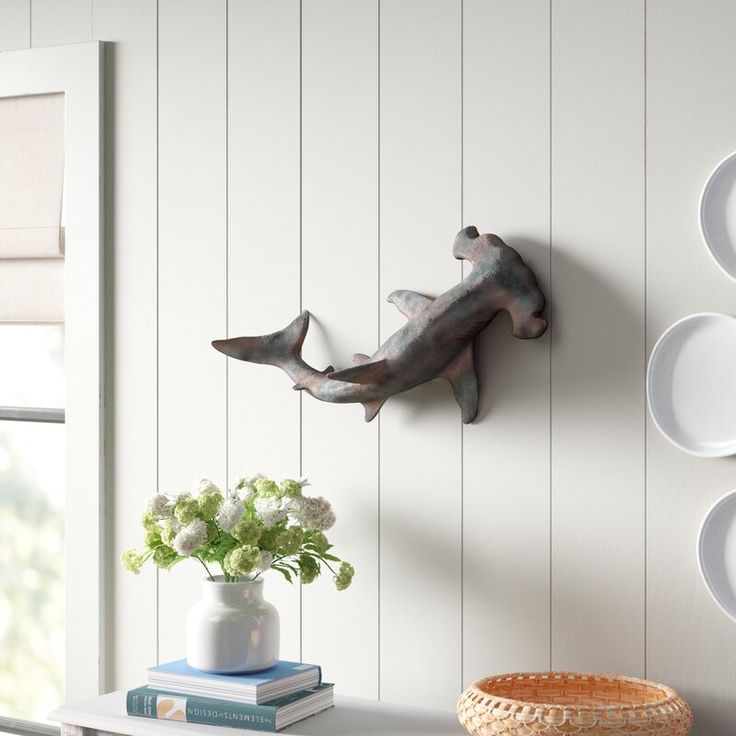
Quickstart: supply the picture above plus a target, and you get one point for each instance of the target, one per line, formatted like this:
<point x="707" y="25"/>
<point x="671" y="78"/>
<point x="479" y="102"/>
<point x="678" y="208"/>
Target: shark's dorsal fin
<point x="460" y="374"/>
<point x="372" y="408"/>
<point x="360" y="358"/>
<point x="365" y="373"/>
<point x="408" y="302"/>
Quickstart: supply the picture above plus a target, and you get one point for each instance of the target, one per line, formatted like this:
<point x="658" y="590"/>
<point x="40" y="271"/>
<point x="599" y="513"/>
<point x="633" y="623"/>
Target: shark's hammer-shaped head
<point x="517" y="290"/>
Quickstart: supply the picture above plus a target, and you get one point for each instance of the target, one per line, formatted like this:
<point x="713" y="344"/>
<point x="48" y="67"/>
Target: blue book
<point x="282" y="679"/>
<point x="273" y="716"/>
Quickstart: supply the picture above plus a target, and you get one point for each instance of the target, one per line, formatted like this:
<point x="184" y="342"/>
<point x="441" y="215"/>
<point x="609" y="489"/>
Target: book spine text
<point x="200" y="710"/>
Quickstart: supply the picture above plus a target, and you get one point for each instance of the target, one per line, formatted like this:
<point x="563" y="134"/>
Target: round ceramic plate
<point x="718" y="215"/>
<point x="691" y="384"/>
<point x="717" y="552"/>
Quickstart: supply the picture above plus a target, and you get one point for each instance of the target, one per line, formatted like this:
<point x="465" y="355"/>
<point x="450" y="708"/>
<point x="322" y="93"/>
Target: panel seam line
<point x="550" y="314"/>
<point x="301" y="303"/>
<point x="227" y="240"/>
<point x="462" y="274"/>
<point x="158" y="326"/>
<point x="646" y="448"/>
<point x="378" y="340"/>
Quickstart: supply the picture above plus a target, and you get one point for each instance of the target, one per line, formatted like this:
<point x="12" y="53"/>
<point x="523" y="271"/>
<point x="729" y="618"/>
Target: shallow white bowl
<point x="718" y="215"/>
<point x="717" y="552"/>
<point x="691" y="384"/>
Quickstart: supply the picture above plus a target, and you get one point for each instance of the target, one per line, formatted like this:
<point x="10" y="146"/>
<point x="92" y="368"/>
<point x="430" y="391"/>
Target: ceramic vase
<point x="232" y="628"/>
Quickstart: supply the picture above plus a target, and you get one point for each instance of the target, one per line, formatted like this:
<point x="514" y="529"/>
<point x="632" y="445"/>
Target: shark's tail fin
<point x="278" y="348"/>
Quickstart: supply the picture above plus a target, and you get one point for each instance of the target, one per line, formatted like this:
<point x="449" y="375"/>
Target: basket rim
<point x="672" y="696"/>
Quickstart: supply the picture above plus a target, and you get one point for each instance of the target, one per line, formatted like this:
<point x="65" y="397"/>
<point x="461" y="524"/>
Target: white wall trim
<point x="77" y="71"/>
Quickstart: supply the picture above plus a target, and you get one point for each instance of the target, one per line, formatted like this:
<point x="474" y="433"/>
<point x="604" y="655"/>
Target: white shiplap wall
<point x="265" y="155"/>
<point x="597" y="367"/>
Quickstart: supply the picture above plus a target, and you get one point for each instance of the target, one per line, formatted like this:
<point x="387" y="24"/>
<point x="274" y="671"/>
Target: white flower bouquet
<point x="261" y="525"/>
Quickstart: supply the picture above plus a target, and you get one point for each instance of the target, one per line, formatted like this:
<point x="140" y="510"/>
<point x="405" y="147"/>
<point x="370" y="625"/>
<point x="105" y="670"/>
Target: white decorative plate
<point x="717" y="552"/>
<point x="718" y="215"/>
<point x="691" y="384"/>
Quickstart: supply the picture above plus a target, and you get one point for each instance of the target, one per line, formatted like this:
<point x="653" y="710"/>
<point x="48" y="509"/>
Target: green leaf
<point x="284" y="572"/>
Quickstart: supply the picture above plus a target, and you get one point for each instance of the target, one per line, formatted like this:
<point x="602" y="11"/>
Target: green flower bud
<point x="186" y="509"/>
<point x="308" y="569"/>
<point x="241" y="560"/>
<point x="164" y="557"/>
<point x="266" y="487"/>
<point x="212" y="531"/>
<point x="344" y="576"/>
<point x="290" y="488"/>
<point x="319" y="540"/>
<point x="149" y="520"/>
<point x="247" y="532"/>
<point x="269" y="539"/>
<point x="168" y="532"/>
<point x="290" y="540"/>
<point x="209" y="504"/>
<point x="152" y="536"/>
<point x="132" y="560"/>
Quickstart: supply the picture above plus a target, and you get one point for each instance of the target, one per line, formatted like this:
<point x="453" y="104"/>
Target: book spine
<point x="168" y="706"/>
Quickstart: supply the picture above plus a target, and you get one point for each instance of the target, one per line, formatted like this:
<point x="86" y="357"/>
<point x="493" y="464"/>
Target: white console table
<point x="349" y="717"/>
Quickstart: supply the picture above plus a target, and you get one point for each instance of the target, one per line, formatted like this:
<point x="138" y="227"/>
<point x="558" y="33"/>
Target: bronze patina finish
<point x="436" y="342"/>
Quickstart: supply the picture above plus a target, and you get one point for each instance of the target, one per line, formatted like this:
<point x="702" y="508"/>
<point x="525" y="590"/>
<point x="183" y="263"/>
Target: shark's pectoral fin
<point x="360" y="358"/>
<point x="460" y="374"/>
<point x="408" y="302"/>
<point x="364" y="373"/>
<point x="372" y="408"/>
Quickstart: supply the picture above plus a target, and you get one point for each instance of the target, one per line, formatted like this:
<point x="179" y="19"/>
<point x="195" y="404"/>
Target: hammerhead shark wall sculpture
<point x="436" y="342"/>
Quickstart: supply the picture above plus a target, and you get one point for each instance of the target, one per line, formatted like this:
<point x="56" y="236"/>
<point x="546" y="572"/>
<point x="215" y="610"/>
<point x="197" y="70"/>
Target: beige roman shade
<point x="31" y="191"/>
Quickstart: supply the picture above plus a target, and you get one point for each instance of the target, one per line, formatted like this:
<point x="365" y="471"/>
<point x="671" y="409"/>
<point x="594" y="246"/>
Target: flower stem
<point x="209" y="574"/>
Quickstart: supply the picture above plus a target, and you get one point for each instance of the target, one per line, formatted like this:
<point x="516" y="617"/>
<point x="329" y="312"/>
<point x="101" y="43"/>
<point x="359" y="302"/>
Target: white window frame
<point x="77" y="71"/>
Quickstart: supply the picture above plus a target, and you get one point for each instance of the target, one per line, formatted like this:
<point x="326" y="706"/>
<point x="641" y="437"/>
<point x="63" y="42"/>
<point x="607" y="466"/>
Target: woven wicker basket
<point x="552" y="703"/>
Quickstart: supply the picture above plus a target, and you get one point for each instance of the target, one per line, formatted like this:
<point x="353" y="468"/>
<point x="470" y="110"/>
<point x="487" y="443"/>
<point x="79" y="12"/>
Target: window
<point x="32" y="473"/>
<point x="51" y="396"/>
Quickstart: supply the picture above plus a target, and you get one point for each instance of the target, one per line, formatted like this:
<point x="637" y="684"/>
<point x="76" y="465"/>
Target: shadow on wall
<point x="594" y="298"/>
<point x="515" y="391"/>
<point x="498" y="352"/>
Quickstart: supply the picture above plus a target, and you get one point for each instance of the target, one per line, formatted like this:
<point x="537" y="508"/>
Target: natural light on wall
<point x="32" y="433"/>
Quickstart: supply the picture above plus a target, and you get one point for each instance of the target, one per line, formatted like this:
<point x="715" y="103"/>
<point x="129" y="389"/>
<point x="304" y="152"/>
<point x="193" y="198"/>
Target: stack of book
<point x="262" y="701"/>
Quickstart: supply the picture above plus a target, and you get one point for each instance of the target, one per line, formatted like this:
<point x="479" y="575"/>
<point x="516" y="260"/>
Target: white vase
<point x="232" y="629"/>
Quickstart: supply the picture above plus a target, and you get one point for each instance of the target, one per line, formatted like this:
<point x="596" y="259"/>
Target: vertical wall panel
<point x="263" y="255"/>
<point x="419" y="432"/>
<point x="130" y="165"/>
<point x="15" y="24"/>
<point x="502" y="465"/>
<point x="192" y="271"/>
<point x="691" y="121"/>
<point x="597" y="336"/>
<point x="54" y="22"/>
<point x="340" y="274"/>
<point x="506" y="451"/>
